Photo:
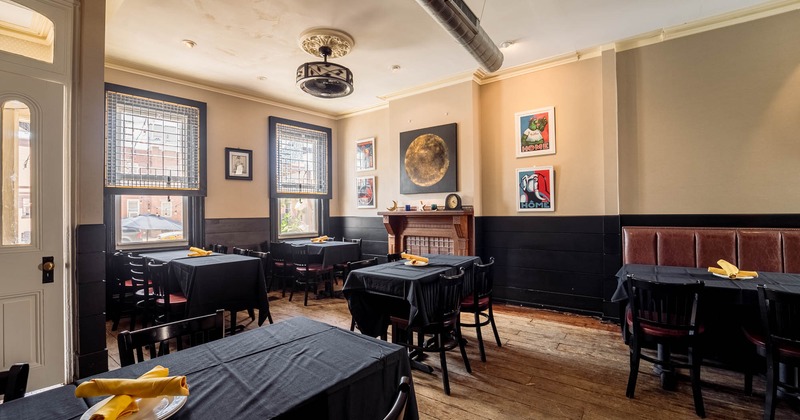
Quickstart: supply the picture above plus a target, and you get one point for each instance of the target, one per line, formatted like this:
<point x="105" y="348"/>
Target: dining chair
<point x="124" y="286"/>
<point x="265" y="267"/>
<point x="14" y="381"/>
<point x="667" y="314"/>
<point x="282" y="267"/>
<point x="199" y="330"/>
<point x="339" y="269"/>
<point x="219" y="249"/>
<point x="308" y="274"/>
<point x="398" y="409"/>
<point x="240" y="251"/>
<point x="167" y="303"/>
<point x="393" y="257"/>
<point x="778" y="341"/>
<point x="443" y="326"/>
<point x="355" y="265"/>
<point x="479" y="303"/>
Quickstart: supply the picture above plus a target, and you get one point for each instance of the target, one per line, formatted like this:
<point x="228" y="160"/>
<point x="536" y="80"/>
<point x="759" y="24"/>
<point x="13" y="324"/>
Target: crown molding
<point x="228" y="92"/>
<point x="535" y="66"/>
<point x="427" y="87"/>
<point x="362" y="111"/>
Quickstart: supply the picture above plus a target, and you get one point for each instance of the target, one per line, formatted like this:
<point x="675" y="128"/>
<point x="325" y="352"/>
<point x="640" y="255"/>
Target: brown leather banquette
<point x="757" y="249"/>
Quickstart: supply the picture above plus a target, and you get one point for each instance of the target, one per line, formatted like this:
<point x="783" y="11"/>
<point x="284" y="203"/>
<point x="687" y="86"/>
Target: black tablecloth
<point x="298" y="368"/>
<point x="228" y="281"/>
<point x="57" y="403"/>
<point x="732" y="291"/>
<point x="167" y="256"/>
<point x="364" y="289"/>
<point x="330" y="252"/>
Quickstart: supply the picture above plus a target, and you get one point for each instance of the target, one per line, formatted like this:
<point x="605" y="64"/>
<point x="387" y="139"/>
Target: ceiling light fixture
<point x="321" y="78"/>
<point x="506" y="44"/>
<point x="188" y="43"/>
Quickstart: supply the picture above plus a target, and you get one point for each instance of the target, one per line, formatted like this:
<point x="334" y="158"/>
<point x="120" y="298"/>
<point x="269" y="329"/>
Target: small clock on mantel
<point x="452" y="202"/>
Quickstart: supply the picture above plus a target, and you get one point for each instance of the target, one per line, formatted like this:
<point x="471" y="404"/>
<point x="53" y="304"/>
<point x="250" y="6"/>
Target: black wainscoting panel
<point x="90" y="276"/>
<point x="242" y="233"/>
<point x="374" y="239"/>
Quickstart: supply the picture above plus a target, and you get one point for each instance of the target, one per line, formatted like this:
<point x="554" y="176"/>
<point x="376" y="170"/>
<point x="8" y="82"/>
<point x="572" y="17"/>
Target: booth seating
<point x="754" y="249"/>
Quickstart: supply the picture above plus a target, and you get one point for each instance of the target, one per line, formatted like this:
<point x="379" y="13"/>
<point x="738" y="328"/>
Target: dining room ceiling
<point x="251" y="46"/>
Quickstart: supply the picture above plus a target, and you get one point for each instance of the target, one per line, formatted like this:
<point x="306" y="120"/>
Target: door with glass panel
<point x="32" y="325"/>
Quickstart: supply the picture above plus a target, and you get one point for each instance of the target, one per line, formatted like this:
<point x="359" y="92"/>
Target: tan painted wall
<point x="709" y="123"/>
<point x="232" y="122"/>
<point x="576" y="92"/>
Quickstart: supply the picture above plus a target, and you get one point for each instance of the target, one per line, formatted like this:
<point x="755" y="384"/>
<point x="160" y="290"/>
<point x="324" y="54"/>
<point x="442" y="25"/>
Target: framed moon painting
<point x="429" y="160"/>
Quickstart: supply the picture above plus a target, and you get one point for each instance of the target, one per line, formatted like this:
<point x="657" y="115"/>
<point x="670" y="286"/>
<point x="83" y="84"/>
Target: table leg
<point x="667" y="375"/>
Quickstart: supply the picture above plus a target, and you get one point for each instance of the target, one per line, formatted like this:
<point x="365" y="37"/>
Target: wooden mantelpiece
<point x="434" y="232"/>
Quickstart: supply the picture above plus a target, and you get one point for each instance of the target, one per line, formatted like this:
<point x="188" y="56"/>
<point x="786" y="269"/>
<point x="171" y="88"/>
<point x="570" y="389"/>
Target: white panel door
<point x="33" y="226"/>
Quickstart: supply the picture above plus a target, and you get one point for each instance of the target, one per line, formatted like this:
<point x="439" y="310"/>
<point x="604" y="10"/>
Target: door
<point x="33" y="324"/>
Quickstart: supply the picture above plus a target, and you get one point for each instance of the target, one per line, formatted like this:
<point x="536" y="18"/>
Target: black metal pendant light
<point x="322" y="78"/>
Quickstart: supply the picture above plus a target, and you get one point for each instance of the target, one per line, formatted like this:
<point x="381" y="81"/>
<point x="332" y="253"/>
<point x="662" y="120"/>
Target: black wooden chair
<point x="123" y="288"/>
<point x="778" y="341"/>
<point x="240" y="251"/>
<point x="14" y="382"/>
<point x="308" y="274"/>
<point x="282" y="267"/>
<point x="398" y="409"/>
<point x="168" y="304"/>
<point x="219" y="249"/>
<point x="393" y="257"/>
<point x="355" y="265"/>
<point x="339" y="269"/>
<point x="443" y="327"/>
<point x="479" y="303"/>
<point x="199" y="330"/>
<point x="666" y="314"/>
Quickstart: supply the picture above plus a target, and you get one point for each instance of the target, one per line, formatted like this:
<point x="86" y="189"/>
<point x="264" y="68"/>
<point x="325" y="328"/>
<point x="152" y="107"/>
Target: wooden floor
<point x="552" y="365"/>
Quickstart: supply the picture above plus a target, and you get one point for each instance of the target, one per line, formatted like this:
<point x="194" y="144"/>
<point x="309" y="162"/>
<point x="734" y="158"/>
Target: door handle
<point x="47" y="268"/>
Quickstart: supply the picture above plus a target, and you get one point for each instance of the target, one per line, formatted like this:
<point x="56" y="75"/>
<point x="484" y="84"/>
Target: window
<point x="299" y="178"/>
<point x="155" y="176"/>
<point x="16" y="164"/>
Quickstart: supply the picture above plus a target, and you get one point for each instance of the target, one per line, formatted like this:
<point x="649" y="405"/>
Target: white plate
<point x="149" y="408"/>
<point x="737" y="278"/>
<point x="416" y="263"/>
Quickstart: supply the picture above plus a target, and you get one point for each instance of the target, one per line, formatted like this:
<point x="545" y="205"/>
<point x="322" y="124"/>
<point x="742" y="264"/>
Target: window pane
<point x="16" y="167"/>
<point x="150" y="219"/>
<point x="298" y="217"/>
<point x="301" y="160"/>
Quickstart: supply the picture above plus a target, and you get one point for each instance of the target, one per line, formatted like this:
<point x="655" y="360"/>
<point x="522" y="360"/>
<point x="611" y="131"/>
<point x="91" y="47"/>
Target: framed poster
<point x="365" y="154"/>
<point x="535" y="189"/>
<point x="429" y="160"/>
<point x="365" y="192"/>
<point x="535" y="132"/>
<point x="238" y="164"/>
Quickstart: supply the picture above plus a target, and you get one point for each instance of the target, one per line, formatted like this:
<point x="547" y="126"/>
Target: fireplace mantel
<point x="431" y="232"/>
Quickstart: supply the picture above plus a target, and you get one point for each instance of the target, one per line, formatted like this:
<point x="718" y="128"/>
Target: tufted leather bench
<point x="757" y="249"/>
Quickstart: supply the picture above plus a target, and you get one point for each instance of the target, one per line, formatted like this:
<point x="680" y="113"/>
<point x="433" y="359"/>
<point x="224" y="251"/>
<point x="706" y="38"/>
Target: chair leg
<point x="252" y="313"/>
<point x="494" y="326"/>
<point x="634" y="362"/>
<point x="443" y="358"/>
<point x="462" y="344"/>
<point x="694" y="360"/>
<point x="352" y="324"/>
<point x="291" y="290"/>
<point x="305" y="299"/>
<point x="480" y="337"/>
<point x="772" y="388"/>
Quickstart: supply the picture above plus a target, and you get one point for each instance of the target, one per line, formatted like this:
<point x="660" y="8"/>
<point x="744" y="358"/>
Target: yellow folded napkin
<point x="198" y="252"/>
<point x="138" y="388"/>
<point x="731" y="271"/>
<point x="413" y="257"/>
<point x="320" y="239"/>
<point x="122" y="405"/>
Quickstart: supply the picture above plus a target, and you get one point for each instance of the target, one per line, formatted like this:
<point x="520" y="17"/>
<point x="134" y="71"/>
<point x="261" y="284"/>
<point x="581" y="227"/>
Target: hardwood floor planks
<point x="552" y="365"/>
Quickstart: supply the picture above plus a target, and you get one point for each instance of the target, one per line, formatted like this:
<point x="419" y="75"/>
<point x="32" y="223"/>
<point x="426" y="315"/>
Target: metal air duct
<point x="457" y="18"/>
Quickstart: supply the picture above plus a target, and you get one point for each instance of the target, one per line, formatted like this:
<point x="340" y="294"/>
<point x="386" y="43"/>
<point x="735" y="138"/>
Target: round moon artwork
<point x="427" y="160"/>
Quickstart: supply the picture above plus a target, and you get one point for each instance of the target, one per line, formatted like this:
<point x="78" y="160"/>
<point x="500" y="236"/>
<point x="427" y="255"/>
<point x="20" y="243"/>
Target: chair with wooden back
<point x="14" y="382"/>
<point x="240" y="251"/>
<point x="393" y="257"/>
<point x="199" y="330"/>
<point x="479" y="303"/>
<point x="219" y="249"/>
<point x="355" y="265"/>
<point x="281" y="267"/>
<point x="339" y="269"/>
<point x="168" y="304"/>
<point x="398" y="410"/>
<point x="308" y="273"/>
<point x="443" y="326"/>
<point x="667" y="314"/>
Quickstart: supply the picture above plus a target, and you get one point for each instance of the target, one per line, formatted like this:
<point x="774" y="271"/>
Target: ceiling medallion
<point x="321" y="78"/>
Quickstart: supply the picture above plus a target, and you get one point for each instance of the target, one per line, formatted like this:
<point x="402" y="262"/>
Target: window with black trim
<point x="155" y="177"/>
<point x="300" y="175"/>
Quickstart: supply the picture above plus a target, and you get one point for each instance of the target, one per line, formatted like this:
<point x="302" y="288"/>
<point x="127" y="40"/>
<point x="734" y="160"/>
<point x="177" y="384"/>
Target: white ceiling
<point x="239" y="41"/>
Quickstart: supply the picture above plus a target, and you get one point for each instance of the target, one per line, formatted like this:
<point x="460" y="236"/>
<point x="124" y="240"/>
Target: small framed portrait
<point x="365" y="191"/>
<point x="535" y="189"/>
<point x="365" y="154"/>
<point x="238" y="164"/>
<point x="535" y="132"/>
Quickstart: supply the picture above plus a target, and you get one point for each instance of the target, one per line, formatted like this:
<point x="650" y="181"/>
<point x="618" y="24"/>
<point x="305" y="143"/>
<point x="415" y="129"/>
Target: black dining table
<point x="294" y="369"/>
<point x="372" y="293"/>
<point x="329" y="253"/>
<point x="217" y="281"/>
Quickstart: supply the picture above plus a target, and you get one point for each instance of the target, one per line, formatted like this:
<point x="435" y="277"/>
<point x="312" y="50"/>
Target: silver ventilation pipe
<point x="456" y="17"/>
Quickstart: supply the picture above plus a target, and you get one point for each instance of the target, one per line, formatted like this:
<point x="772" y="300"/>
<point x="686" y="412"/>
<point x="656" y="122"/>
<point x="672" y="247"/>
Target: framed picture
<point x="429" y="160"/>
<point x="365" y="191"/>
<point x="238" y="164"/>
<point x="365" y="154"/>
<point x="536" y="132"/>
<point x="535" y="189"/>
